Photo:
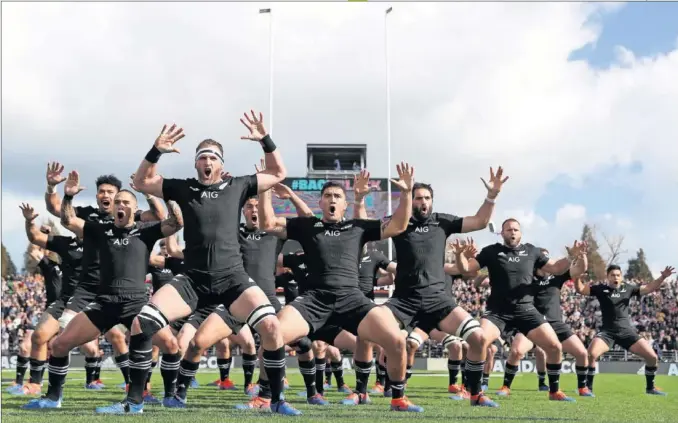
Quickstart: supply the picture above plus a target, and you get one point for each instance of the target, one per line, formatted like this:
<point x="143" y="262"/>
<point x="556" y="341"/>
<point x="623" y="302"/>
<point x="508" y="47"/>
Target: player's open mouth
<point x="105" y="203"/>
<point x="254" y="219"/>
<point x="121" y="214"/>
<point x="332" y="209"/>
<point x="208" y="172"/>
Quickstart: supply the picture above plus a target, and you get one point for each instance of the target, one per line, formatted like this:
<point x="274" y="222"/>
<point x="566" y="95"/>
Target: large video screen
<point x="308" y="189"/>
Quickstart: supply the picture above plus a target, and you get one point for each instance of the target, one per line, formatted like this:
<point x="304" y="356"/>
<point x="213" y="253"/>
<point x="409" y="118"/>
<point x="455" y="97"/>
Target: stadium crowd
<point x="655" y="315"/>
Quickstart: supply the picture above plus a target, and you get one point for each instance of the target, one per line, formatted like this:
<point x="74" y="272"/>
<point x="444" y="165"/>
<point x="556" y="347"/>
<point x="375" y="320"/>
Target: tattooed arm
<point x="174" y="221"/>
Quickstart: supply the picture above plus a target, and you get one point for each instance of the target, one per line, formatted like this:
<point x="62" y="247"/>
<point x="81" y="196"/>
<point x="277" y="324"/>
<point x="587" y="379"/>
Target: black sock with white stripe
<point x="509" y="374"/>
<point x="140" y="358"/>
<point x="581" y="376"/>
<point x="21" y="367"/>
<point x="408" y="372"/>
<point x="90" y="369"/>
<point x="274" y="364"/>
<point x="474" y="374"/>
<point x="381" y="374"/>
<point x="589" y="377"/>
<point x="320" y="366"/>
<point x="249" y="362"/>
<point x="486" y="379"/>
<point x="328" y="372"/>
<point x="362" y="376"/>
<point x="398" y="389"/>
<point x="122" y="361"/>
<point x="37" y="371"/>
<point x="187" y="372"/>
<point x="338" y="372"/>
<point x="169" y="370"/>
<point x="453" y="367"/>
<point x="264" y="389"/>
<point x="307" y="370"/>
<point x="58" y="369"/>
<point x="224" y="365"/>
<point x="650" y="372"/>
<point x="553" y="372"/>
<point x="542" y="378"/>
<point x="97" y="368"/>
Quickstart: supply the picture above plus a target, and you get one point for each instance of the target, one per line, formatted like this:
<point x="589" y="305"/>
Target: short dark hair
<point x="509" y="220"/>
<point x="109" y="180"/>
<point x="130" y="193"/>
<point x="421" y="185"/>
<point x="611" y="268"/>
<point x="209" y="142"/>
<point x="332" y="184"/>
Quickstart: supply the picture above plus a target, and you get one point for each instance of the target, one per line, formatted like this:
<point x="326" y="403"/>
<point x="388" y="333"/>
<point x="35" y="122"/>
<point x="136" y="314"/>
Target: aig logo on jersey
<point x="254" y="237"/>
<point x="209" y="194"/>
<point x="334" y="232"/>
<point x="121" y="241"/>
<point x="422" y="229"/>
<point x="615" y="295"/>
<point x="514" y="259"/>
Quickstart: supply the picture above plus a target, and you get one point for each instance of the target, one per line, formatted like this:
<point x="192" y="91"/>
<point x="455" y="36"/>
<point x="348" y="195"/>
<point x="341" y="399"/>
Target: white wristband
<point x="489" y="200"/>
<point x="51" y="189"/>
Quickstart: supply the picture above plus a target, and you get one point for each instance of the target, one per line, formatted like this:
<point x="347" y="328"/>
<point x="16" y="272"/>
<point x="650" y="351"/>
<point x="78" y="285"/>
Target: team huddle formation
<point x="221" y="288"/>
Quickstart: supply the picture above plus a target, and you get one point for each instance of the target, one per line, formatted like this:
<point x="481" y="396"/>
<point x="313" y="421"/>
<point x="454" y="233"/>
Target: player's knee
<point x="652" y="359"/>
<point x="196" y="346"/>
<point x="115" y="337"/>
<point x="395" y="344"/>
<point x="59" y="348"/>
<point x="553" y="348"/>
<point x="477" y="339"/>
<point x="39" y="337"/>
<point x="468" y="328"/>
<point x="170" y="345"/>
<point x="263" y="319"/>
<point x="319" y="348"/>
<point x="515" y="353"/>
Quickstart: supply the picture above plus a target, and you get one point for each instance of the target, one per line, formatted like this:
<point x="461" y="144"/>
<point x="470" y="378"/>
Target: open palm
<point x="405" y="177"/>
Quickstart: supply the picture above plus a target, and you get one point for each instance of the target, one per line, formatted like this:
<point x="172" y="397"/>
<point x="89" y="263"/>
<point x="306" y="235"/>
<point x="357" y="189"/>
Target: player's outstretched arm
<point x="361" y="187"/>
<point x="174" y="221"/>
<point x="581" y="287"/>
<point x="466" y="263"/>
<point x="146" y="178"/>
<point x="54" y="178"/>
<point x="275" y="170"/>
<point x="580" y="265"/>
<point x="484" y="214"/>
<point x="558" y="267"/>
<point x="156" y="211"/>
<point x="284" y="192"/>
<point x="68" y="218"/>
<point x="269" y="221"/>
<point x="397" y="223"/>
<point x="33" y="233"/>
<point x="657" y="283"/>
<point x="173" y="248"/>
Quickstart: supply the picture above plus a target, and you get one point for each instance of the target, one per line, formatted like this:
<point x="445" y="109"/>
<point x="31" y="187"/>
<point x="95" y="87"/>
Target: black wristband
<point x="68" y="197"/>
<point x="153" y="155"/>
<point x="267" y="144"/>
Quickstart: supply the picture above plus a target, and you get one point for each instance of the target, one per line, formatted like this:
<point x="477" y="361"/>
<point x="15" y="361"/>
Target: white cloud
<point x="473" y="85"/>
<point x="570" y="213"/>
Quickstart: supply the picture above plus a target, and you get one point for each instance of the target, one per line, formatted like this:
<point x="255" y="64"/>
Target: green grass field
<point x="620" y="398"/>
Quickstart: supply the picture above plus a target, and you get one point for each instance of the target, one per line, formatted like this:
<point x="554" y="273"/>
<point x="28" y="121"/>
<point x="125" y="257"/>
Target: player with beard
<point x="215" y="272"/>
<point x="333" y="247"/>
<point x="123" y="248"/>
<point x="32" y="344"/>
<point x="259" y="251"/>
<point x="419" y="294"/>
<point x="614" y="297"/>
<point x="546" y="293"/>
<point x="510" y="267"/>
<point x="107" y="187"/>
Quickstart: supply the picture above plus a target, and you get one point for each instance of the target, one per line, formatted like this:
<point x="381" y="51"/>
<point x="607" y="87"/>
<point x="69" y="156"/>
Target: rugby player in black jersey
<point x="123" y="247"/>
<point x="259" y="251"/>
<point x="59" y="278"/>
<point x="614" y="297"/>
<point x="546" y="292"/>
<point x="332" y="247"/>
<point x="419" y="285"/>
<point x="107" y="187"/>
<point x="215" y="273"/>
<point x="511" y="266"/>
